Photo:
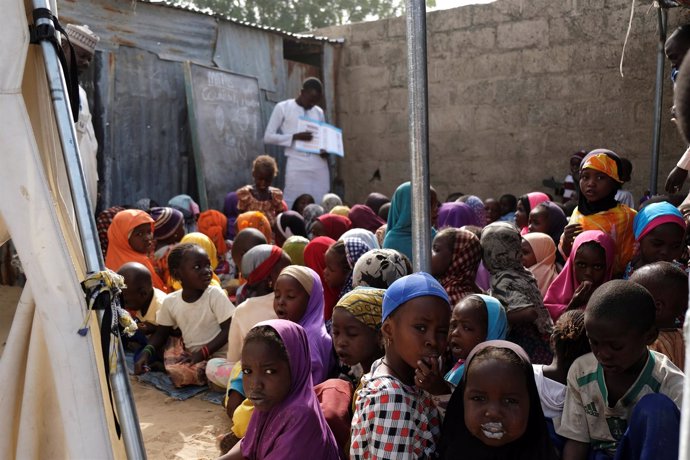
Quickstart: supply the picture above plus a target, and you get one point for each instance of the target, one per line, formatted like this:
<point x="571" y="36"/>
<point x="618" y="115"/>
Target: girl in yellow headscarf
<point x="598" y="209"/>
<point x="205" y="242"/>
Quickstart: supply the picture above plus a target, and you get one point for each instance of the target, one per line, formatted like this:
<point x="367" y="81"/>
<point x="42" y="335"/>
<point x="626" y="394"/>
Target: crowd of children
<point x="544" y="330"/>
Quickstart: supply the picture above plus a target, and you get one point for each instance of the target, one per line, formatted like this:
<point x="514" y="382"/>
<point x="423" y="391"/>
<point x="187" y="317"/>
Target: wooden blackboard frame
<point x="200" y="155"/>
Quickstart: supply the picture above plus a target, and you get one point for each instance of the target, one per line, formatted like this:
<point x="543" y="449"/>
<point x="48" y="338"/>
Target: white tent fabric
<point x="53" y="399"/>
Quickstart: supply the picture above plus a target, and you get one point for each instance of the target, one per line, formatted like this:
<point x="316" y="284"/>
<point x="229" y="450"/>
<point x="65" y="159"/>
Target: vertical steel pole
<point x="418" y="122"/>
<point x="662" y="16"/>
<point x="122" y="393"/>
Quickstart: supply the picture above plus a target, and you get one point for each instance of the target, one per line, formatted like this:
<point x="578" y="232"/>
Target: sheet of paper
<point x="325" y="137"/>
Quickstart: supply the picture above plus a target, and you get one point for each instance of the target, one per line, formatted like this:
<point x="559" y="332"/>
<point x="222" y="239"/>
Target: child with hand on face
<point x="659" y="234"/>
<point x="598" y="209"/>
<point x="262" y="196"/>
<point x="622" y="400"/>
<point x="668" y="285"/>
<point x="393" y="417"/>
<point x="287" y="421"/>
<point x="589" y="266"/>
<point x="495" y="412"/>
<point x="202" y="313"/>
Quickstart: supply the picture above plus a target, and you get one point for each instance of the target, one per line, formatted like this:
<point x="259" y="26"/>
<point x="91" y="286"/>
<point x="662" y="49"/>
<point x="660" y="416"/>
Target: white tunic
<point x="304" y="172"/>
<point x="88" y="147"/>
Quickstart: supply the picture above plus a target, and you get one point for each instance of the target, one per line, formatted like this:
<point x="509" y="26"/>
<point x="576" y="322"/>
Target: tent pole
<point x="418" y="124"/>
<point x="662" y="16"/>
<point x="122" y="393"/>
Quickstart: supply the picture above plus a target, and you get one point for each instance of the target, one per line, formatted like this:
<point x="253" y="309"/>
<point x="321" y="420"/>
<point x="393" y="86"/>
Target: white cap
<point x="83" y="37"/>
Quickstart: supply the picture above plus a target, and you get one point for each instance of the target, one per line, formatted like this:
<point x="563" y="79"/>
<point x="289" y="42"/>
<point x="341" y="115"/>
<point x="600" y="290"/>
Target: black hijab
<point x="458" y="443"/>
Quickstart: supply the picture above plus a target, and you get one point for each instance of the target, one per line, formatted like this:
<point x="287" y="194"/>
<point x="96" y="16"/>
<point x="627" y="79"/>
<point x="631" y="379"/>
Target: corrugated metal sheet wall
<point x="137" y="92"/>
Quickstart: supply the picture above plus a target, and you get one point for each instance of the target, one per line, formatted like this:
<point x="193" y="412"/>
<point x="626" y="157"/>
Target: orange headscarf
<point x="119" y="250"/>
<point x="257" y="220"/>
<point x="214" y="224"/>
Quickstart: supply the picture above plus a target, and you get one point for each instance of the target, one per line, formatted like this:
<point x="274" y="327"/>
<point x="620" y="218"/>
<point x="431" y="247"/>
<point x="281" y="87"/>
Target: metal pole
<point x="662" y="16"/>
<point x="122" y="393"/>
<point x="418" y="122"/>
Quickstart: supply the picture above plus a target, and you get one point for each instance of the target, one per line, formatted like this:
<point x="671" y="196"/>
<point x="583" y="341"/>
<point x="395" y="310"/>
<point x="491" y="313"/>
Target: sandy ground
<point x="172" y="429"/>
<point x="178" y="429"/>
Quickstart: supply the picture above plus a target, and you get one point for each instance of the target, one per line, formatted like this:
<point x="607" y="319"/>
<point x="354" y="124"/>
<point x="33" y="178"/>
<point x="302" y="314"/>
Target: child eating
<point x="668" y="285"/>
<point x="622" y="398"/>
<point x="393" y="418"/>
<point x="287" y="421"/>
<point x="495" y="412"/>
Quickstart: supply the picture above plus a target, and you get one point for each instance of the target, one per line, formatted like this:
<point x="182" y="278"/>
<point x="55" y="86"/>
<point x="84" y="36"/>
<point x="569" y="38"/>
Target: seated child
<point x="589" y="266"/>
<point x="539" y="257"/>
<point x="375" y="200"/>
<point x="298" y="297"/>
<point x="168" y="230"/>
<point x="330" y="201"/>
<point x="455" y="257"/>
<point x="475" y="319"/>
<point x="362" y="216"/>
<point x="515" y="287"/>
<point x="598" y="209"/>
<point x="310" y="213"/>
<point x="668" y="285"/>
<point x="205" y="243"/>
<point x="302" y="202"/>
<point x="341" y="210"/>
<point x="495" y="412"/>
<point x="456" y="215"/>
<point x="508" y="205"/>
<point x="622" y="398"/>
<point x="335" y="273"/>
<point x="569" y="342"/>
<point x="330" y="225"/>
<point x="244" y="241"/>
<point x="287" y="421"/>
<point x="353" y="247"/>
<point x="368" y="237"/>
<point x="140" y="296"/>
<point x="549" y="218"/>
<point x="415" y="328"/>
<point x="660" y="232"/>
<point x="130" y="239"/>
<point x="261" y="196"/>
<point x="287" y="224"/>
<point x="214" y="224"/>
<point x="262" y="263"/>
<point x="315" y="258"/>
<point x="202" y="313"/>
<point x="493" y="210"/>
<point x="257" y="220"/>
<point x="294" y="247"/>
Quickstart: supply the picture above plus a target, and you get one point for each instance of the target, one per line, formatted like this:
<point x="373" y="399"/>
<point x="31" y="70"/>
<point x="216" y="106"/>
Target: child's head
<point x="261" y="266"/>
<point x="264" y="170"/>
<point x="569" y="338"/>
<point x="501" y="247"/>
<point x="625" y="173"/>
<point x="189" y="264"/>
<point x="140" y="238"/>
<point x="138" y="290"/>
<point x="298" y="296"/>
<point x="619" y="320"/>
<point x="336" y="271"/>
<point x="575" y="161"/>
<point x="416" y="316"/>
<point x="496" y="393"/>
<point x="668" y="285"/>
<point x="493" y="210"/>
<point x="168" y="227"/>
<point x="599" y="175"/>
<point x="356" y="327"/>
<point x="677" y="45"/>
<point x="660" y="231"/>
<point x="380" y="268"/>
<point x="302" y="202"/>
<point x="266" y="373"/>
<point x="442" y="251"/>
<point x="507" y="203"/>
<point x="384" y="210"/>
<point x="592" y="257"/>
<point x="475" y="319"/>
<point x="528" y="257"/>
<point x="244" y="241"/>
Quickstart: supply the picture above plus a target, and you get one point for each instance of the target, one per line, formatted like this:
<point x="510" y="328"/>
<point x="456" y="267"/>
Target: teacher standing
<point x="304" y="172"/>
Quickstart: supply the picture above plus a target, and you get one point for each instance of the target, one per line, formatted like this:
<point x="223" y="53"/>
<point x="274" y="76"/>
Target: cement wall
<point x="515" y="87"/>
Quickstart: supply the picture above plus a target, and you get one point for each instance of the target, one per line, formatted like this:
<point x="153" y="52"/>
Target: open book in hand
<point x="325" y="137"/>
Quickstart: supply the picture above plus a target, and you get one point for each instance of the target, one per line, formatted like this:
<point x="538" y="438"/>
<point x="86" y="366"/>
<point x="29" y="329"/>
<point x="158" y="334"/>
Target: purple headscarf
<point x="231" y="212"/>
<point x="477" y="205"/>
<point x="296" y="425"/>
<point x="321" y="343"/>
<point x="362" y="216"/>
<point x="457" y="215"/>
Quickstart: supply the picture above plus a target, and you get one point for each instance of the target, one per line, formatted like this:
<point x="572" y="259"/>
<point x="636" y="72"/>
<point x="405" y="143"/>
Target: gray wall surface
<point x="515" y="87"/>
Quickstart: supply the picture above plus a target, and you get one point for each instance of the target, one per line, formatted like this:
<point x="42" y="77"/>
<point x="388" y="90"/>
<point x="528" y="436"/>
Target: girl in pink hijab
<point x="589" y="265"/>
<point x="525" y="204"/>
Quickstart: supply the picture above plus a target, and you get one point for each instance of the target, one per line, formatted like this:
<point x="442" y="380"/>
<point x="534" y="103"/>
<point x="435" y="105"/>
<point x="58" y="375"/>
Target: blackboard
<point x="227" y="131"/>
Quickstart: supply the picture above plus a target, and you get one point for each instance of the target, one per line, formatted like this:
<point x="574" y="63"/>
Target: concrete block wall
<point x="515" y="87"/>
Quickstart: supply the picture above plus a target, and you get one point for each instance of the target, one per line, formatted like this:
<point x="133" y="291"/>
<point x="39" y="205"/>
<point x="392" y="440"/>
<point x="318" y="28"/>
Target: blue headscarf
<point x="410" y="287"/>
<point x="496" y="329"/>
<point x="399" y="229"/>
<point x="655" y="214"/>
